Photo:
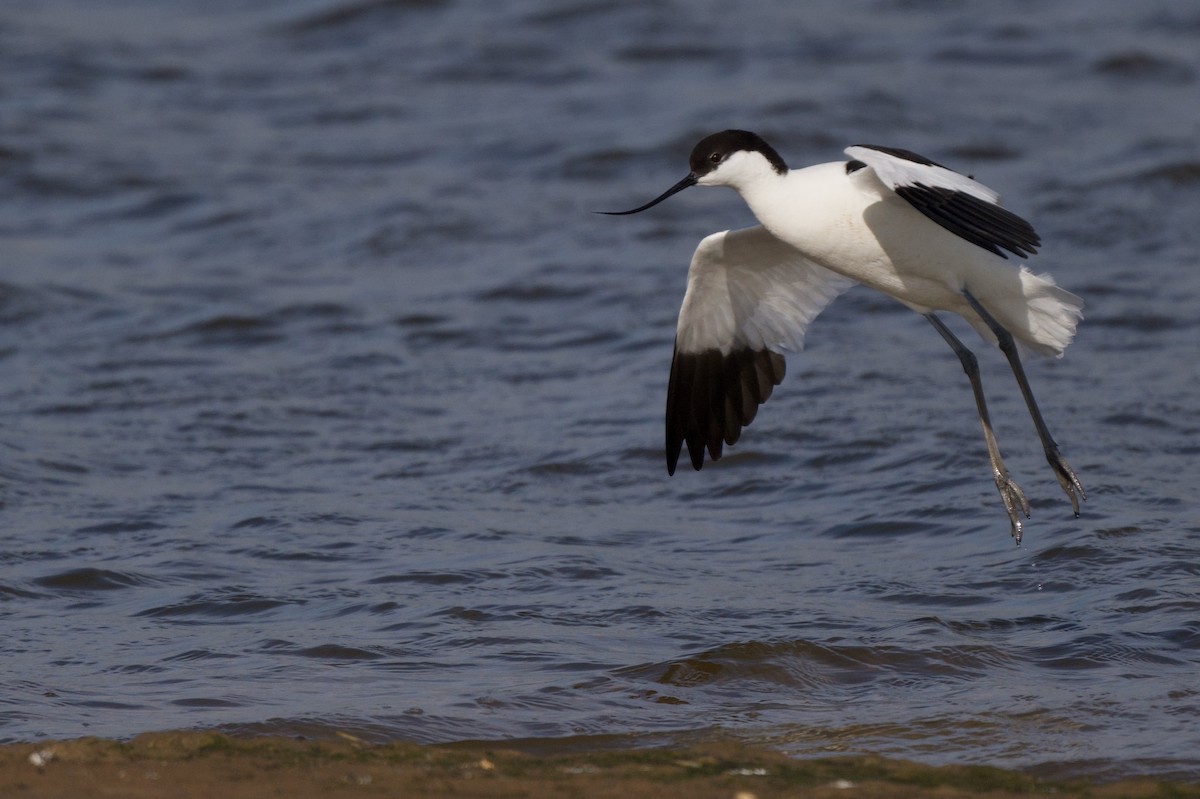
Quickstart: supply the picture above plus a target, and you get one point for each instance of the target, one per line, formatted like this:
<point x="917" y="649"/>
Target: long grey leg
<point x="1010" y="492"/>
<point x="1062" y="470"/>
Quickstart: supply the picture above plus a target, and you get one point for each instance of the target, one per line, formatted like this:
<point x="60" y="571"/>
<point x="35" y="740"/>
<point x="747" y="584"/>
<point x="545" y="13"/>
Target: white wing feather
<point x="749" y="290"/>
<point x="895" y="172"/>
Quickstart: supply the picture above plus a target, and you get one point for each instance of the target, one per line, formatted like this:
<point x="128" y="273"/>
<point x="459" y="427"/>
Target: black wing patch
<point x="978" y="221"/>
<point x="711" y="397"/>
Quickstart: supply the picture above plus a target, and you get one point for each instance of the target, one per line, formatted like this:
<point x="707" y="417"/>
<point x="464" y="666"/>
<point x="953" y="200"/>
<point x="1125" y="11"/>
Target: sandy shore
<point x="199" y="764"/>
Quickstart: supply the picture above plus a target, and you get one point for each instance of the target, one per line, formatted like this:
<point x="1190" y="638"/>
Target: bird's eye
<point x="715" y="158"/>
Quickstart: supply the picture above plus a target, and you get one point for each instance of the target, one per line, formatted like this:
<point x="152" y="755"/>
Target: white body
<point x="856" y="226"/>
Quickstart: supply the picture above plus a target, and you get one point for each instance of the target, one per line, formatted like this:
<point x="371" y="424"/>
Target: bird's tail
<point x="1042" y="319"/>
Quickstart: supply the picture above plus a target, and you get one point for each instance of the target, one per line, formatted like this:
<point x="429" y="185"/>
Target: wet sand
<point x="202" y="764"/>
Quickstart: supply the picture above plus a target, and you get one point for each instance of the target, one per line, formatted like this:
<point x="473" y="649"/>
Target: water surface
<point x="330" y="405"/>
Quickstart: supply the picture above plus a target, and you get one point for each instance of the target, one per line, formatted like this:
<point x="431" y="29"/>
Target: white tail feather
<point x="1042" y="319"/>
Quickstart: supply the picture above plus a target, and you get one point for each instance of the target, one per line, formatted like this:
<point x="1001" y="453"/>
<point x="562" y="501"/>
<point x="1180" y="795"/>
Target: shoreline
<point x="191" y="765"/>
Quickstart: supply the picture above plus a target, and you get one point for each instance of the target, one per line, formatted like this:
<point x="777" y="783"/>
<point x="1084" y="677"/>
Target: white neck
<point x="763" y="190"/>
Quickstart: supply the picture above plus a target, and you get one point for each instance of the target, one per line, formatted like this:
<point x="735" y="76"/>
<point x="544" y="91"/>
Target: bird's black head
<point x="712" y="151"/>
<point x="709" y="155"/>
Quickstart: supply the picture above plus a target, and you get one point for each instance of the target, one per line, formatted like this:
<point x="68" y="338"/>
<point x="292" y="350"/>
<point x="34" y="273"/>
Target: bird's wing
<point x="749" y="298"/>
<point x="963" y="206"/>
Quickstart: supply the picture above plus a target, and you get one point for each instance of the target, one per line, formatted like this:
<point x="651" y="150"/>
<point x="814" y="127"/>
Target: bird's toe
<point x="1014" y="503"/>
<point x="1067" y="479"/>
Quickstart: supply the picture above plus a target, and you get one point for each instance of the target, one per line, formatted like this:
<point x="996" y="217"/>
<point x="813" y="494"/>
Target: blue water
<point x="328" y="404"/>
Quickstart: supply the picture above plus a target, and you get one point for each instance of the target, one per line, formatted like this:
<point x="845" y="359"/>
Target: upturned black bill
<point x="690" y="180"/>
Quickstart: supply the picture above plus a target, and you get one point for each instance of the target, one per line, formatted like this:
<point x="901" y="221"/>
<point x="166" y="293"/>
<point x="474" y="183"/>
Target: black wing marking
<point x="979" y="222"/>
<point x="957" y="202"/>
<point x="712" y="396"/>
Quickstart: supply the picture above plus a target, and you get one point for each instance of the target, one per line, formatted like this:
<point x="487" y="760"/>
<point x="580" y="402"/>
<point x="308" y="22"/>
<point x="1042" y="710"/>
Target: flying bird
<point x="887" y="218"/>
